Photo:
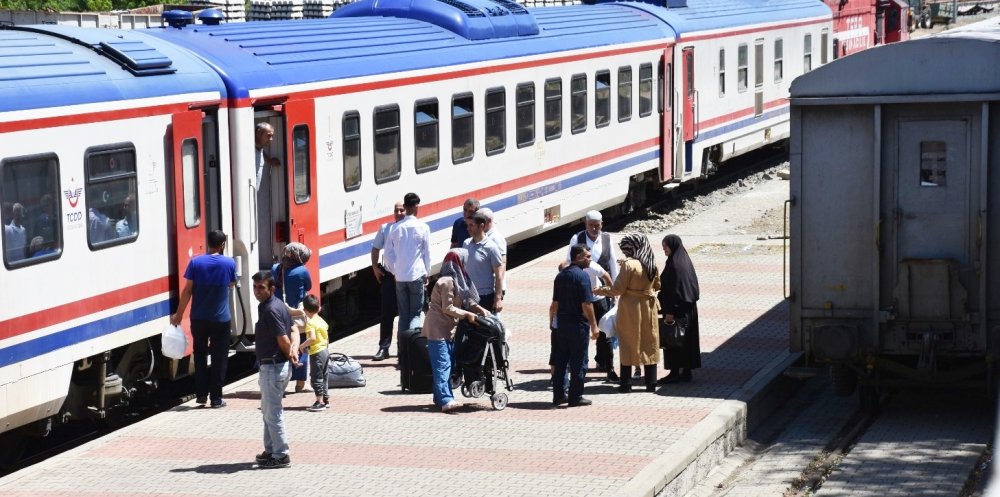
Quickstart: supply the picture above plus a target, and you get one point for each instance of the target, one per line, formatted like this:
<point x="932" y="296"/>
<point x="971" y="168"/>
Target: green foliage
<point x="76" y="5"/>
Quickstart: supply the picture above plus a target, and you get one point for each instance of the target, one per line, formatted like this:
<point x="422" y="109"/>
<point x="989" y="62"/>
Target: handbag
<point x="343" y="371"/>
<point x="672" y="334"/>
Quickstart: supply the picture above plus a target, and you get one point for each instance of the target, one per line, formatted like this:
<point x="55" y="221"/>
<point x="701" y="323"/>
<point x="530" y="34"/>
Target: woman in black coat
<point x="679" y="301"/>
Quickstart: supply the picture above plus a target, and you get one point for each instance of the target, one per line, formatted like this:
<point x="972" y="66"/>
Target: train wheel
<point x="843" y="380"/>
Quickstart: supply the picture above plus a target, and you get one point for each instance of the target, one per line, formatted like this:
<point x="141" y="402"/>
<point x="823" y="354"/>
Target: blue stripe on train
<point x="81" y="333"/>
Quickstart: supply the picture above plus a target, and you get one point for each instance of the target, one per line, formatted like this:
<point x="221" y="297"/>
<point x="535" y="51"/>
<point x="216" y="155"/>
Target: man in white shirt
<point x="602" y="252"/>
<point x="410" y="244"/>
<point x="386" y="281"/>
<point x="15" y="238"/>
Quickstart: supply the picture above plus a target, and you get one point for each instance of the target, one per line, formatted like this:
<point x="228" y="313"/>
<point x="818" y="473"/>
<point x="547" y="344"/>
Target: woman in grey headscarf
<point x="454" y="297"/>
<point x="636" y="323"/>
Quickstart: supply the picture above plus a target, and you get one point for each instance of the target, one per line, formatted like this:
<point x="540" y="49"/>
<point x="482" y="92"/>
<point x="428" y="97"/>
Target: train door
<point x="188" y="191"/>
<point x="269" y="204"/>
<point x="690" y="96"/>
<point x="212" y="174"/>
<point x="758" y="77"/>
<point x="930" y="276"/>
<point x="303" y="212"/>
<point x="667" y="115"/>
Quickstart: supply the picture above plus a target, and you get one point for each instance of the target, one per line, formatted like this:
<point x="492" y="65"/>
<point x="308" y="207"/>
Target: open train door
<point x="188" y="192"/>
<point x="300" y="139"/>
<point x="690" y="102"/>
<point x="667" y="115"/>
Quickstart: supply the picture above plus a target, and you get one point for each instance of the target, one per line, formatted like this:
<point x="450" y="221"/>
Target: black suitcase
<point x="414" y="363"/>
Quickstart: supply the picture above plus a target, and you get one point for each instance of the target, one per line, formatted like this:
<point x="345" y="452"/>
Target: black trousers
<point x="389" y="310"/>
<point x="210" y="338"/>
<point x="605" y="355"/>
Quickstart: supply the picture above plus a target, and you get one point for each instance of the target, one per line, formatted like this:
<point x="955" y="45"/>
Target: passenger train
<point x="119" y="150"/>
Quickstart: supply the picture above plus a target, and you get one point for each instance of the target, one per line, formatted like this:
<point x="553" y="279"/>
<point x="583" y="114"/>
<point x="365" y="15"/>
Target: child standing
<point x="317" y="340"/>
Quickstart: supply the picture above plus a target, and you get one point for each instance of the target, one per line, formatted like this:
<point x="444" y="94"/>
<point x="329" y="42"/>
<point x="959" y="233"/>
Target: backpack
<point x="343" y="371"/>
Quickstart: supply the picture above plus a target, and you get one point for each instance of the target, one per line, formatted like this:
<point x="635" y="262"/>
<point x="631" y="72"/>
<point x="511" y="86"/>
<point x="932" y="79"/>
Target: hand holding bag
<point x="672" y="334"/>
<point x="343" y="371"/>
<point x="174" y="342"/>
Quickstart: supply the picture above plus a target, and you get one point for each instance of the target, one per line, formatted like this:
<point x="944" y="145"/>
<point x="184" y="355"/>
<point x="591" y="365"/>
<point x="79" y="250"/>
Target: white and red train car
<point x="137" y="143"/>
<point x="862" y="24"/>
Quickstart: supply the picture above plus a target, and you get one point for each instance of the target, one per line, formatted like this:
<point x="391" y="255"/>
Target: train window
<point x="32" y="227"/>
<point x="933" y="163"/>
<point x="496" y="120"/>
<point x="722" y="72"/>
<point x="387" y="151"/>
<point x="425" y="140"/>
<point x="578" y="103"/>
<point x="602" y="98"/>
<point x="624" y="93"/>
<point x="462" y="128"/>
<point x="352" y="150"/>
<point x="300" y="154"/>
<point x="742" y="63"/>
<point x="553" y="108"/>
<point x="758" y="64"/>
<point x="525" y="114"/>
<point x="645" y="90"/>
<point x="779" y="54"/>
<point x="807" y="49"/>
<point x="824" y="55"/>
<point x="111" y="187"/>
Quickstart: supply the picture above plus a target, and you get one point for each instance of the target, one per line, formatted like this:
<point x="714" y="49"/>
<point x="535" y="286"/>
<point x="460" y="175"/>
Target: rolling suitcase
<point x="414" y="363"/>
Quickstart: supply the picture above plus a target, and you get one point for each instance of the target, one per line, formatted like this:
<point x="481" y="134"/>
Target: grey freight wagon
<point x="894" y="257"/>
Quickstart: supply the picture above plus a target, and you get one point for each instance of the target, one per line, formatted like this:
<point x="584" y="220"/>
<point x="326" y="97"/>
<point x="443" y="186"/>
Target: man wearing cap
<point x="409" y="243"/>
<point x="603" y="252"/>
<point x="387" y="282"/>
<point x="459" y="232"/>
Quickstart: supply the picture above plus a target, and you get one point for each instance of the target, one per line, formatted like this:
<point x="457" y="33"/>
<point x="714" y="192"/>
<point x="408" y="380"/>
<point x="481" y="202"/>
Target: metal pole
<point x="954" y="11"/>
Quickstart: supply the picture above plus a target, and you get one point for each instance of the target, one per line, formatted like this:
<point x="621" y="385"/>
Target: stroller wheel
<point x="499" y="401"/>
<point x="477" y="389"/>
<point x="465" y="391"/>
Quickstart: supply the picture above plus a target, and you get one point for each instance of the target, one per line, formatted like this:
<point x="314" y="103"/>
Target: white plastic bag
<point x="173" y="342"/>
<point x="607" y="323"/>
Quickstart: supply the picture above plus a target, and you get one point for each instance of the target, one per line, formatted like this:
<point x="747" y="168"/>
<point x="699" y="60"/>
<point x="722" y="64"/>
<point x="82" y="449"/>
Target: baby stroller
<point x="482" y="359"/>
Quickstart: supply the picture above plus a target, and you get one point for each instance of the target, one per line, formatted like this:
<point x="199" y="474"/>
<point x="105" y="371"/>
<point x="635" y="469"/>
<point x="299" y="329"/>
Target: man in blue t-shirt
<point x="209" y="279"/>
<point x="459" y="231"/>
<point x="572" y="307"/>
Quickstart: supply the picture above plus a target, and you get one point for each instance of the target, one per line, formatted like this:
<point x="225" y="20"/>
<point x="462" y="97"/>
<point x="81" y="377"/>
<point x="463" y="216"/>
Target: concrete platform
<point x="376" y="441"/>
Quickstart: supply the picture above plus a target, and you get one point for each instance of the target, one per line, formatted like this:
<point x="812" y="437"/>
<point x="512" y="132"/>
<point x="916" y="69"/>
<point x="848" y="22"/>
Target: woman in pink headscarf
<point x="454" y="297"/>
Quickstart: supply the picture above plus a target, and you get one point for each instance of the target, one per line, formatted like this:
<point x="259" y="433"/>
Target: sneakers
<point x="316" y="407"/>
<point x="451" y="406"/>
<point x="580" y="402"/>
<point x="219" y="403"/>
<point x="276" y="462"/>
<point x="262" y="457"/>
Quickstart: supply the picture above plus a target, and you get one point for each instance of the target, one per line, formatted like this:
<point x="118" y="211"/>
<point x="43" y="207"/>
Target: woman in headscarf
<point x="454" y="297"/>
<point x="292" y="284"/>
<point x="636" y="324"/>
<point x="679" y="301"/>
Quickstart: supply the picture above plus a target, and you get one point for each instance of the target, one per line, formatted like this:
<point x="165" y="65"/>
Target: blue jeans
<point x="272" y="380"/>
<point x="440" y="352"/>
<point x="570" y="352"/>
<point x="410" y="299"/>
